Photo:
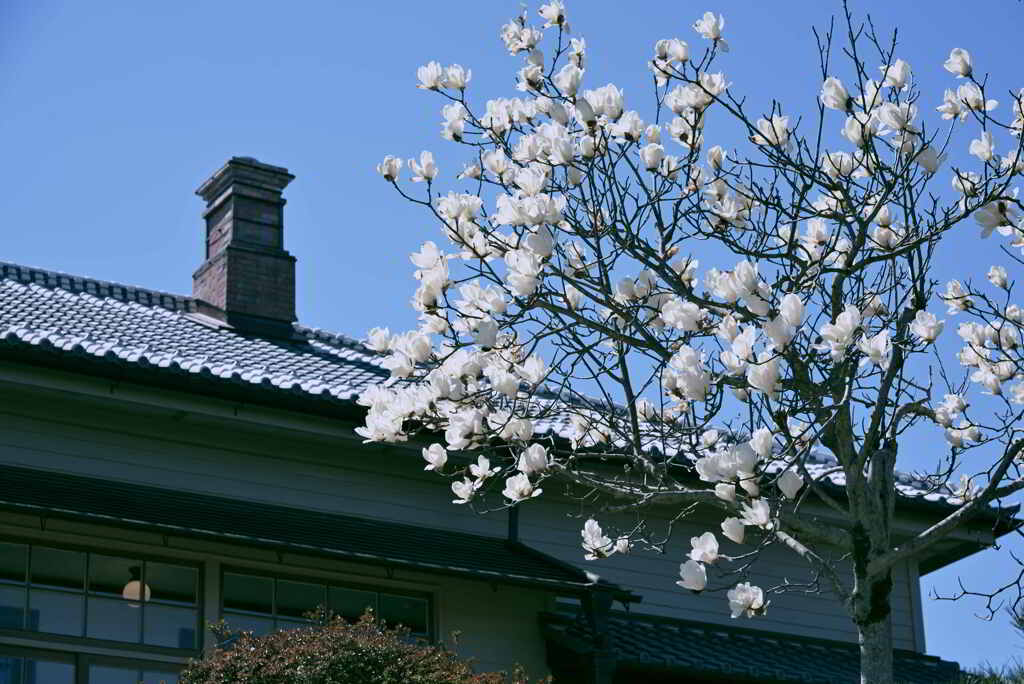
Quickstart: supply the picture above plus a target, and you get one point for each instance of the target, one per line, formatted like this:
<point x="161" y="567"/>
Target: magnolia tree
<point x="566" y="290"/>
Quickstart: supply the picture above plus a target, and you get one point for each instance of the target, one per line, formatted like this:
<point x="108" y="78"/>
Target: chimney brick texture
<point x="247" y="279"/>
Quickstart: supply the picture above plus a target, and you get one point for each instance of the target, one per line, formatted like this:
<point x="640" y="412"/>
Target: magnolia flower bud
<point x="716" y="157"/>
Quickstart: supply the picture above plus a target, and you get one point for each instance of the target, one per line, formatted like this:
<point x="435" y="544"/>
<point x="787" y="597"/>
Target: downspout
<point x="597" y="606"/>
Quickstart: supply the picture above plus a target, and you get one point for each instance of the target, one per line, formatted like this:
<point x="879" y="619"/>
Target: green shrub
<point x="336" y="652"/>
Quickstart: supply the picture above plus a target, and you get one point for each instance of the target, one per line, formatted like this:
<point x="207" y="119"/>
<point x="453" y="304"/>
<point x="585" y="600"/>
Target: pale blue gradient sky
<point x="114" y="112"/>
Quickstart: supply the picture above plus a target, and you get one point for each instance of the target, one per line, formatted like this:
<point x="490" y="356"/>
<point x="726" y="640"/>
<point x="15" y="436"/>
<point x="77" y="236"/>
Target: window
<point x="262" y="604"/>
<point x="33" y="666"/>
<point x="82" y="594"/>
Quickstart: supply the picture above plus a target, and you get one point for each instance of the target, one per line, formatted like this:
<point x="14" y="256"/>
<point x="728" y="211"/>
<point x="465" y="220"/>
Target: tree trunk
<point x="876" y="652"/>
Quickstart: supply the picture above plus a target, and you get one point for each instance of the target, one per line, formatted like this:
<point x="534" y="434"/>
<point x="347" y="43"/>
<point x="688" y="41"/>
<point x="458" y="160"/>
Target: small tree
<point x="774" y="389"/>
<point x="336" y="652"/>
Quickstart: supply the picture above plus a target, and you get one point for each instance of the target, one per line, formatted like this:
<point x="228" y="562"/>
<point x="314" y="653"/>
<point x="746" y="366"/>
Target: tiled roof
<point x="376" y="542"/>
<point x="156" y="329"/>
<point x="686" y="648"/>
<point x="148" y="331"/>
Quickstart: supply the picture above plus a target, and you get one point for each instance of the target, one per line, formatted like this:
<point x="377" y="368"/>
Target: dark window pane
<point x="11" y="670"/>
<point x="351" y="603"/>
<point x="249" y="623"/>
<point x="12" y="609"/>
<point x="109" y="574"/>
<point x="295" y="599"/>
<point x="48" y="672"/>
<point x="154" y="677"/>
<point x="172" y="582"/>
<point x="404" y="610"/>
<point x="55" y="611"/>
<point x="248" y="592"/>
<point x="170" y="626"/>
<point x="58" y="568"/>
<point x="109" y="674"/>
<point x="12" y="563"/>
<point x="113" y="618"/>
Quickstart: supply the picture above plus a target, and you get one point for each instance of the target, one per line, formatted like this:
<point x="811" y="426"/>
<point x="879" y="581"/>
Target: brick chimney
<point x="247" y="279"/>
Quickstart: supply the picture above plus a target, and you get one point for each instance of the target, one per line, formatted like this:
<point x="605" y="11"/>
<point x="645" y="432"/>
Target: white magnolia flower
<point x="534" y="460"/>
<point x="790" y="484"/>
<point x="983" y="148"/>
<point x="671" y="50"/>
<point x="876" y="349"/>
<point x="716" y="157"/>
<point x="926" y="326"/>
<point x="895" y="75"/>
<point x="436" y="456"/>
<point x="897" y="117"/>
<point x="959" y="63"/>
<point x="733" y="529"/>
<point x="651" y="155"/>
<point x="955" y="297"/>
<point x="971" y="95"/>
<point x="519" y="488"/>
<point x="553" y="13"/>
<point x="838" y="164"/>
<point x="834" y="95"/>
<point x="762" y="442"/>
<point x="745" y="598"/>
<point x="997" y="276"/>
<point x="757" y="514"/>
<point x="725" y="491"/>
<point x="764" y="374"/>
<point x="568" y="79"/>
<point x="952" y="106"/>
<point x="792" y="310"/>
<point x="711" y="28"/>
<point x="455" y="76"/>
<point x="482" y="469"/>
<point x="471" y="171"/>
<point x="773" y="132"/>
<point x="465" y="490"/>
<point x="693" y="576"/>
<point x="836" y="337"/>
<point x="390" y="168"/>
<point x="595" y="543"/>
<point x="860" y="128"/>
<point x="426" y="169"/>
<point x="379" y="339"/>
<point x="998" y="215"/>
<point x="704" y="548"/>
<point x="431" y="76"/>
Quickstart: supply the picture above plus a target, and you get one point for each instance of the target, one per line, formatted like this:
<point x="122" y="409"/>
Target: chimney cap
<point x="247" y="171"/>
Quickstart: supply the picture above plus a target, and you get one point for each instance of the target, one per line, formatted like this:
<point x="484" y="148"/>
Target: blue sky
<point x="114" y="112"/>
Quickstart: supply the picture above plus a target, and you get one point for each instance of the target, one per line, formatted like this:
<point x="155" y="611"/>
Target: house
<point x="171" y="460"/>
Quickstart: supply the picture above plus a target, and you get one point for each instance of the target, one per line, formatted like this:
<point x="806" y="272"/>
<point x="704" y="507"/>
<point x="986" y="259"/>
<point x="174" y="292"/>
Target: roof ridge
<point x="129" y="294"/>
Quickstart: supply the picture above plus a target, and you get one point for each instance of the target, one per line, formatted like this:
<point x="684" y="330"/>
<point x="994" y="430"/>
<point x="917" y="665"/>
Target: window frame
<point x="129" y="647"/>
<point x="327" y="582"/>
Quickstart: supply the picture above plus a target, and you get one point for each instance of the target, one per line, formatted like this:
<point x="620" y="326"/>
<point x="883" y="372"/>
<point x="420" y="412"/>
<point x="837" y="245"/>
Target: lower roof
<point x="348" y="538"/>
<point x="649" y="648"/>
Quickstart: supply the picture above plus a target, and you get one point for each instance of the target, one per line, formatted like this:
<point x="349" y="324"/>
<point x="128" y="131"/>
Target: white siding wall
<point x="301" y="469"/>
